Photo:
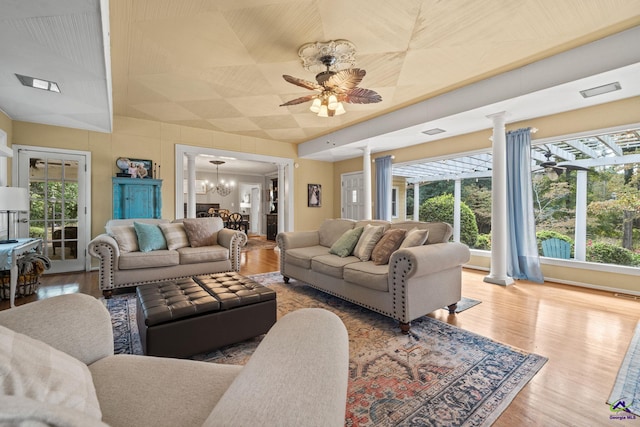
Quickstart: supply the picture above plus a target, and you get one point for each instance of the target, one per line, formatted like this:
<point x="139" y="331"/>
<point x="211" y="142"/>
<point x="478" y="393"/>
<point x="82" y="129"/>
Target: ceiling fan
<point x="334" y="88"/>
<point x="554" y="170"/>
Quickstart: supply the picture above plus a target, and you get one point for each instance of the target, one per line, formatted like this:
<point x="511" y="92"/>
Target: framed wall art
<point x="135" y="168"/>
<point x="314" y="195"/>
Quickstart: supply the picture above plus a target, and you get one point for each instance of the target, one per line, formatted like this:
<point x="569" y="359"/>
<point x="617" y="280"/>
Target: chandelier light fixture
<point x="221" y="187"/>
<point x="336" y="81"/>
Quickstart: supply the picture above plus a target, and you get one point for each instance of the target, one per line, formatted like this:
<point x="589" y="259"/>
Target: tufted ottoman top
<point x="234" y="290"/>
<point x="181" y="298"/>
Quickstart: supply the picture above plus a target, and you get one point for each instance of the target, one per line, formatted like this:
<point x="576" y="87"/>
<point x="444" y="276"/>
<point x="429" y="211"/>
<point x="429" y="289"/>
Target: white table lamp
<point x="13" y="199"/>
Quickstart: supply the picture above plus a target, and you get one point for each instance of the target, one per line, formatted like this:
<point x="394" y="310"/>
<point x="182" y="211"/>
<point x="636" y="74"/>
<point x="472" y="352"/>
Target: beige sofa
<point x="297" y="376"/>
<point x="416" y="281"/>
<point x="121" y="269"/>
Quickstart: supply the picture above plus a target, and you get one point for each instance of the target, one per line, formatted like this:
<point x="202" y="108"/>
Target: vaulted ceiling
<point x="218" y="64"/>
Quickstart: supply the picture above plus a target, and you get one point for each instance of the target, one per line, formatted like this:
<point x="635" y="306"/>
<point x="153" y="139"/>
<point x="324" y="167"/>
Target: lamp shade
<point x="14" y="199"/>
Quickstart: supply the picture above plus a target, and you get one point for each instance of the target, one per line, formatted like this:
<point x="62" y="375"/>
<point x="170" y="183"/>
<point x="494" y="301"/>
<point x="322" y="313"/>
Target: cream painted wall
<point x="603" y="116"/>
<point x="156" y="141"/>
<point x="6" y="125"/>
<point x="314" y="172"/>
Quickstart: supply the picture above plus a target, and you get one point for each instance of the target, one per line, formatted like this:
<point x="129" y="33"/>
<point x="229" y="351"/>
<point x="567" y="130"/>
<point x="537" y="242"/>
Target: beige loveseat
<point x="60" y="370"/>
<point x="416" y="281"/>
<point x="121" y="268"/>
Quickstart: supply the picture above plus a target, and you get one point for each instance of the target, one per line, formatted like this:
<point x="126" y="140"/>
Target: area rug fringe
<point x="439" y="375"/>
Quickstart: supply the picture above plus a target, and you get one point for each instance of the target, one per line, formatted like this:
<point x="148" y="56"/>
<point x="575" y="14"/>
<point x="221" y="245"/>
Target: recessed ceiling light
<point x="38" y="83"/>
<point x="433" y="131"/>
<point x="594" y="91"/>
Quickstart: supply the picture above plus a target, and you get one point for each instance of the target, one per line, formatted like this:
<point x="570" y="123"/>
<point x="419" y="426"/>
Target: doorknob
<point x="24" y="220"/>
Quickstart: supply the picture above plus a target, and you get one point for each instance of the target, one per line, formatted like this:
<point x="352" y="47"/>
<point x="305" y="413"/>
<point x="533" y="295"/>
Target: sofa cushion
<point x="161" y="258"/>
<point x="388" y="244"/>
<point x="368" y="275"/>
<point x="332" y="229"/>
<point x="126" y="237"/>
<point x="344" y="245"/>
<point x="200" y="254"/>
<point x="415" y="237"/>
<point x="201" y="231"/>
<point x="160" y="391"/>
<point x="370" y="236"/>
<point x="302" y="256"/>
<point x="150" y="237"/>
<point x="32" y="369"/>
<point x="175" y="235"/>
<point x="331" y="265"/>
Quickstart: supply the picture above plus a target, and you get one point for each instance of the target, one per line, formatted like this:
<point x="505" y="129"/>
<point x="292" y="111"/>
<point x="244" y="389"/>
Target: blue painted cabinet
<point x="137" y="198"/>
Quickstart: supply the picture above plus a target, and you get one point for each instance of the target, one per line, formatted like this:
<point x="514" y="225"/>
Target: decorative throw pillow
<point x="175" y="235"/>
<point x="126" y="238"/>
<point x="201" y="232"/>
<point x="150" y="237"/>
<point x="370" y="236"/>
<point x="388" y="244"/>
<point x="32" y="369"/>
<point x="345" y="244"/>
<point x="415" y="237"/>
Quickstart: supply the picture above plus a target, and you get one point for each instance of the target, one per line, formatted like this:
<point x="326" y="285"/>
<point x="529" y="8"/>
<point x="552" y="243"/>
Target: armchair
<point x="296" y="377"/>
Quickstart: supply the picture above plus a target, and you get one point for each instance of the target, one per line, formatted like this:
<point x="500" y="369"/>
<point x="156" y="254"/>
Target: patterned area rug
<point x="625" y="397"/>
<point x="439" y="375"/>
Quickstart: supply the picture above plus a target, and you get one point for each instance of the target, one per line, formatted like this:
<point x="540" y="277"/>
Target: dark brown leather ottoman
<point x="183" y="317"/>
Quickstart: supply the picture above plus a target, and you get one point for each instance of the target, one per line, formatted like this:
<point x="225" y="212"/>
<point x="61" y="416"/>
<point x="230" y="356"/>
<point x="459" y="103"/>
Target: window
<point x="394" y="202"/>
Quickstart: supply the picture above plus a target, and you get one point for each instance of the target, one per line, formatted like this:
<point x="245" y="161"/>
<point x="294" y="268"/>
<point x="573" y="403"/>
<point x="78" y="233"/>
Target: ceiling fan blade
<point x="574" y="167"/>
<point x="345" y="80"/>
<point x="300" y="100"/>
<point x="359" y="95"/>
<point x="303" y="83"/>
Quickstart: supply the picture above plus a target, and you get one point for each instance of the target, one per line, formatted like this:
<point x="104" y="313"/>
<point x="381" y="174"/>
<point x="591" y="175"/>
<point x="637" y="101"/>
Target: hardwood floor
<point x="584" y="334"/>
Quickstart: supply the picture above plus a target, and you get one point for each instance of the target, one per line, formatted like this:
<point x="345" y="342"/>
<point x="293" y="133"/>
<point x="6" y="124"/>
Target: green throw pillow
<point x="344" y="245"/>
<point x="150" y="237"/>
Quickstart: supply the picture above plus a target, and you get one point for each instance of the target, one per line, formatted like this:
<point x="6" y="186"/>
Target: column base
<point x="503" y="281"/>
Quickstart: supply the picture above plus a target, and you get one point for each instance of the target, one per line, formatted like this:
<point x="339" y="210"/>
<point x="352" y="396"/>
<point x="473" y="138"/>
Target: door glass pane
<point x="54" y="206"/>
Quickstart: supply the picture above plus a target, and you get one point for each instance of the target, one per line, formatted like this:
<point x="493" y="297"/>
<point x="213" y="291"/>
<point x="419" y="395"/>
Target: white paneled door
<point x="353" y="196"/>
<point x="58" y="185"/>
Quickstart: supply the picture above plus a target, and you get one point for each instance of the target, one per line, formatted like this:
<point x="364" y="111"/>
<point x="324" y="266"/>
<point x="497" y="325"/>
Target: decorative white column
<point x="366" y="172"/>
<point x="416" y="201"/>
<point x="457" y="191"/>
<point x="191" y="185"/>
<point x="580" y="246"/>
<point x="498" y="272"/>
<point x="282" y="192"/>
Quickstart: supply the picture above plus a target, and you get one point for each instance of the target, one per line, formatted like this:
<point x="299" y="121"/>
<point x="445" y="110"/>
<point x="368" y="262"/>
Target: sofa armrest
<point x="76" y="324"/>
<point x="422" y="260"/>
<point x="233" y="240"/>
<point x="105" y="248"/>
<point x="297" y="239"/>
<point x="297" y="376"/>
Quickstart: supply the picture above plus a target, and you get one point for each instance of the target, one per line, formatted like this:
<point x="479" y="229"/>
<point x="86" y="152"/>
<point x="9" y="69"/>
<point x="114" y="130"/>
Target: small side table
<point x="9" y="255"/>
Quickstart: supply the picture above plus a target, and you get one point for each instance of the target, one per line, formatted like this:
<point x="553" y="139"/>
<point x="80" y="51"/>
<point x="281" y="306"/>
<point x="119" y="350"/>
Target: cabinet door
<point x="139" y="201"/>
